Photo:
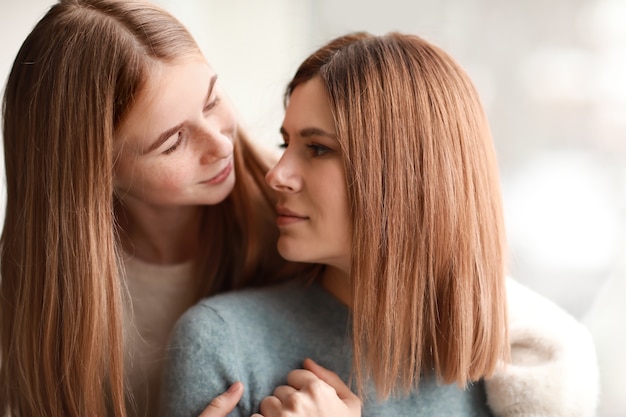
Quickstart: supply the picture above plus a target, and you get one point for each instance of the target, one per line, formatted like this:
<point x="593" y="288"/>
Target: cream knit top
<point x="158" y="296"/>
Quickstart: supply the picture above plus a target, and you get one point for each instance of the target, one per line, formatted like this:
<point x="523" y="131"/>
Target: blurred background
<point x="552" y="76"/>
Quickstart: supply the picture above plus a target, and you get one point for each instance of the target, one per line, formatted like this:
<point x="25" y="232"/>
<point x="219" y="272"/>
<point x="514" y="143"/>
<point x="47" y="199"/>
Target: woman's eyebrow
<point x="316" y="131"/>
<point x="163" y="137"/>
<point x="310" y="131"/>
<point x="211" y="85"/>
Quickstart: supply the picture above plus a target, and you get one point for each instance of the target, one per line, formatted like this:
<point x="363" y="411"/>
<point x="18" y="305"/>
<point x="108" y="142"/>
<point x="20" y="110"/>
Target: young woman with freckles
<point x="131" y="193"/>
<point x="389" y="183"/>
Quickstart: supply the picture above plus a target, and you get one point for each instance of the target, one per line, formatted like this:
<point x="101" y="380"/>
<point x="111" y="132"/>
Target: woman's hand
<point x="312" y="392"/>
<point x="224" y="403"/>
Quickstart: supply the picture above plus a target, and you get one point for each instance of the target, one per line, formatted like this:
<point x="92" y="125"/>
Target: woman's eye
<point x="210" y="105"/>
<point x="176" y="145"/>
<point x="318" y="150"/>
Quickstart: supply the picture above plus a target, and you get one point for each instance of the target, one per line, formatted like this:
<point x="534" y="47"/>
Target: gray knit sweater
<point x="258" y="336"/>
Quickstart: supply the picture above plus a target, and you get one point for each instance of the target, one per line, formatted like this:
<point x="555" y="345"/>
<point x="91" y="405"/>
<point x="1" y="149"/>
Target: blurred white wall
<point x="552" y="77"/>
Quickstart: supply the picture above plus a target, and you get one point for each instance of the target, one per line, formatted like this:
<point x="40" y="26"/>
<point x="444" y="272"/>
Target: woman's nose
<point x="214" y="145"/>
<point x="283" y="177"/>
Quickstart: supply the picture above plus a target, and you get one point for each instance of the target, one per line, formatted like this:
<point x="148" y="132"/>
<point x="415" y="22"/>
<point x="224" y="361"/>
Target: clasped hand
<point x="311" y="392"/>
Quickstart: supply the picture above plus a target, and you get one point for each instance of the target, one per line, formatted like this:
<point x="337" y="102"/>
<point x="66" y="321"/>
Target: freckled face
<point x="175" y="147"/>
<point x="313" y="212"/>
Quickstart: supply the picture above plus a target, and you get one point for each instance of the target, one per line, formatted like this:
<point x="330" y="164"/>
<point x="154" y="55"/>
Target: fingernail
<point x="233" y="387"/>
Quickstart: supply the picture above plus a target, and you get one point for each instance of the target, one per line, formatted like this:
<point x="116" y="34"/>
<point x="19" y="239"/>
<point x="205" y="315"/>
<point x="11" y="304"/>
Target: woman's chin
<point x="289" y="252"/>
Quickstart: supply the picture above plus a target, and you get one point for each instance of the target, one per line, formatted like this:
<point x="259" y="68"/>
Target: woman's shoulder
<point x="296" y="304"/>
<point x="245" y="307"/>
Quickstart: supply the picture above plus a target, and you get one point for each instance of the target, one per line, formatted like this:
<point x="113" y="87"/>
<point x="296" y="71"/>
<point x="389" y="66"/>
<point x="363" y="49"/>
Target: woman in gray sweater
<point x="389" y="183"/>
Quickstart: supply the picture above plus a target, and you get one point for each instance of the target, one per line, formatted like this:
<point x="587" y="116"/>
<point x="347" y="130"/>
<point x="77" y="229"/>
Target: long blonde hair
<point x="71" y="85"/>
<point x="428" y="264"/>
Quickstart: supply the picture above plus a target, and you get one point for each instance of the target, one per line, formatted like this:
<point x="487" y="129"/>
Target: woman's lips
<point x="222" y="175"/>
<point x="285" y="216"/>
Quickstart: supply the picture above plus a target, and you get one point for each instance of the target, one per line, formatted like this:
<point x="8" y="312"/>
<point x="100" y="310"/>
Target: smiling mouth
<point x="222" y="175"/>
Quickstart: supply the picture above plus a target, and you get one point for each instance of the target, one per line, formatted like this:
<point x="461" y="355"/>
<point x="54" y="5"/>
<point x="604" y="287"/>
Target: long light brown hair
<point x="428" y="263"/>
<point x="71" y="85"/>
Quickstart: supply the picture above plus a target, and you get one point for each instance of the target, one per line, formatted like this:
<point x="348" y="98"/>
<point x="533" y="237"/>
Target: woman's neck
<point x="160" y="235"/>
<point x="337" y="283"/>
